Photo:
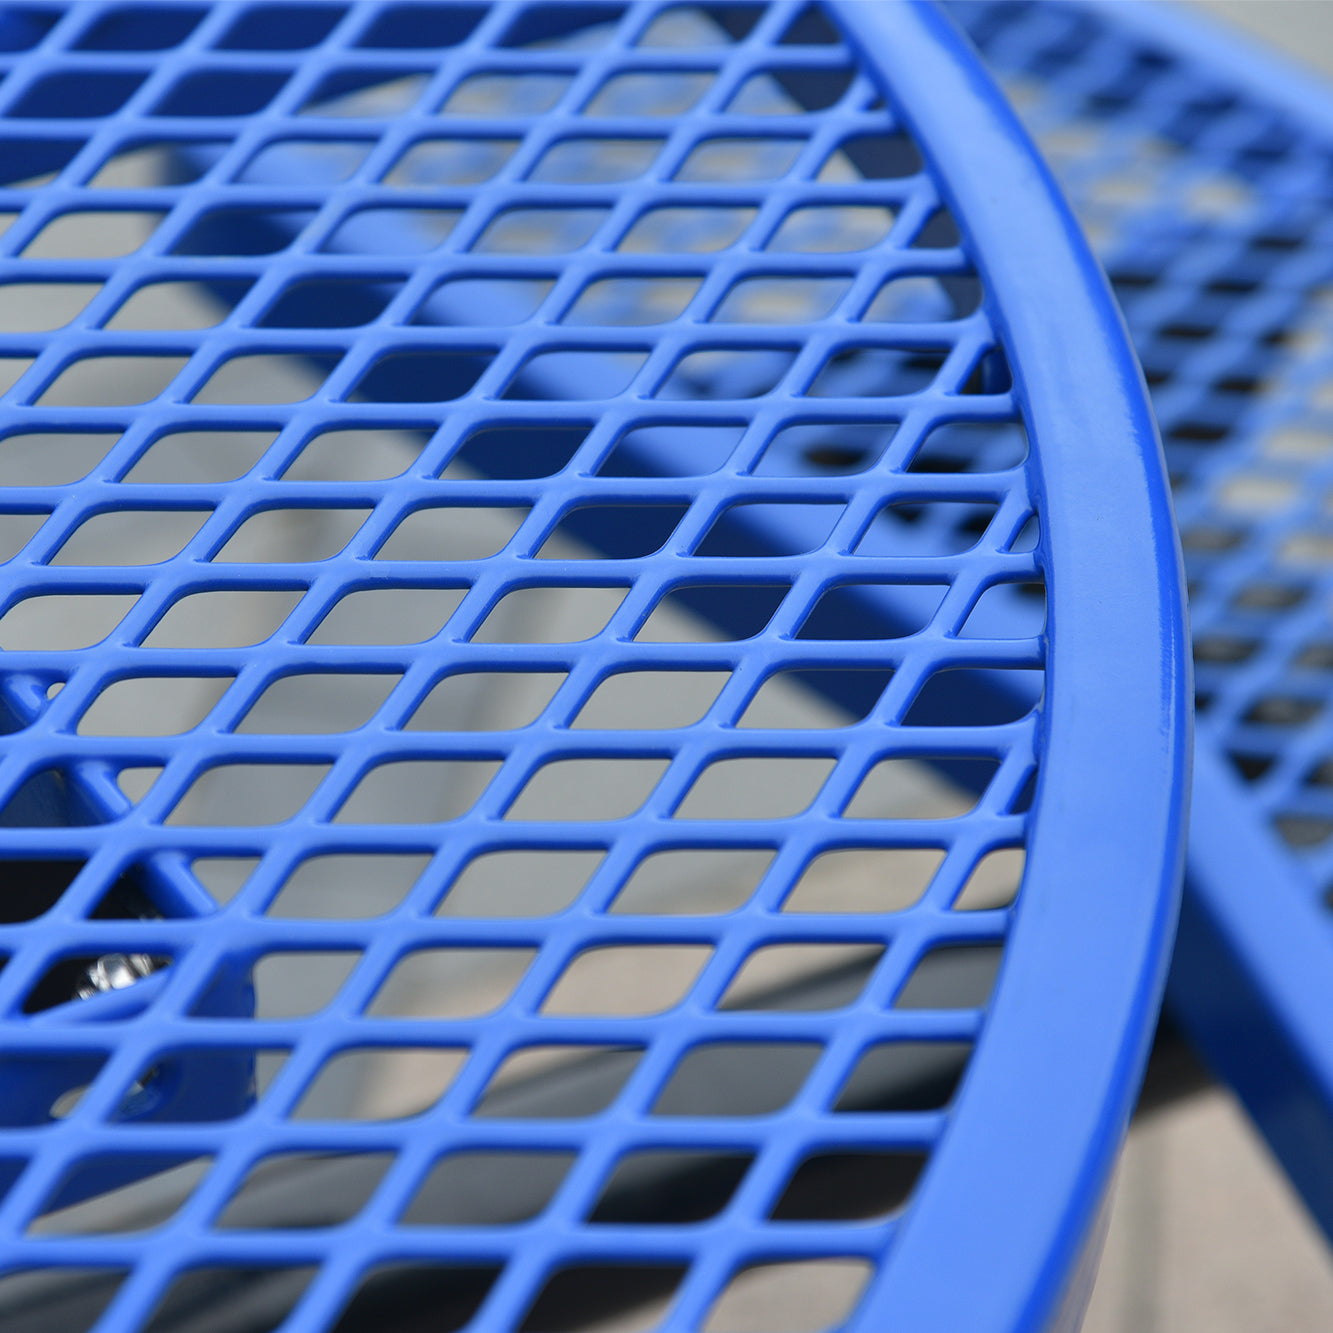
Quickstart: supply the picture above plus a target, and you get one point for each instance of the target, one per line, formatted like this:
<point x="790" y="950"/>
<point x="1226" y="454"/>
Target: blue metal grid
<point x="1201" y="168"/>
<point x="741" y="452"/>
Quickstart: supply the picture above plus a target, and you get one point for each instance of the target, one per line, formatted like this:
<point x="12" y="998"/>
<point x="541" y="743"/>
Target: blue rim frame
<point x="1105" y="563"/>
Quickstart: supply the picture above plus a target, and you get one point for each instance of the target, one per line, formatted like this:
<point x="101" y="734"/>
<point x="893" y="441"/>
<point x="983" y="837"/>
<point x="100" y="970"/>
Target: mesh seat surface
<point x="1200" y="168"/>
<point x="563" y="562"/>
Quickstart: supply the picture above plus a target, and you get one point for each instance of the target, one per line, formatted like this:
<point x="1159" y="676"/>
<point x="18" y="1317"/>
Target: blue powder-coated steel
<point x="735" y="452"/>
<point x="1201" y="166"/>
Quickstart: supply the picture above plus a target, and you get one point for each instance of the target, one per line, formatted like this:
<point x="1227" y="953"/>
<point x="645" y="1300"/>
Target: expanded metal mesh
<point x="504" y="504"/>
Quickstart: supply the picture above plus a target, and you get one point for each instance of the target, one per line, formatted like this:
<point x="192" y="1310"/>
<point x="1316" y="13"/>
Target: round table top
<point x="565" y="560"/>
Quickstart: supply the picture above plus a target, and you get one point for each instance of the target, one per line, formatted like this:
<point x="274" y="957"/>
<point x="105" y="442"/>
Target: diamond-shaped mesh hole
<point x="894" y="788"/>
<point x="971" y="447"/>
<point x="27" y="307"/>
<point x="285" y="536"/>
<point x="73" y="978"/>
<point x="265" y="377"/>
<point x="832" y="229"/>
<point x="319" y="161"/>
<point x="247" y="794"/>
<point x="670" y="1187"/>
<point x="632" y="301"/>
<point x="393" y="231"/>
<point x="385" y="1083"/>
<point x="299" y="1190"/>
<point x="453" y="1294"/>
<point x="776" y="529"/>
<point x="904" y="1076"/>
<point x="225" y="618"/>
<point x="487" y="1188"/>
<point x="415" y="26"/>
<point x="422" y="376"/>
<point x="736" y="1078"/>
<point x="77" y="93"/>
<point x="185" y="457"/>
<point x="450" y="983"/>
<point x="366" y="92"/>
<point x="317" y="703"/>
<point x="178" y="305"/>
<point x="354" y="454"/>
<point x="434" y="162"/>
<point x="695" y="450"/>
<point x="684" y="230"/>
<point x="877" y="372"/>
<point x="520" y="452"/>
<point x="596" y="161"/>
<point x="279" y="27"/>
<point x="994" y="881"/>
<point x="527" y="94"/>
<point x="781" y="300"/>
<point x="632" y="700"/>
<point x="791" y="91"/>
<point x="540" y="231"/>
<point x="330" y="303"/>
<point x="966" y="696"/>
<point x="709" y="612"/>
<point x="627" y="980"/>
<point x="693" y="881"/>
<point x="855" y="691"/>
<point x="56" y="622"/>
<point x="616" y="532"/>
<point x="955" y="526"/>
<point x="111" y="381"/>
<point x="51" y="458"/>
<point x="727" y="373"/>
<point x="241" y="231"/>
<point x="348" y="886"/>
<point x="537" y="615"/>
<point x="520" y="883"/>
<point x="131" y="537"/>
<point x="771" y="787"/>
<point x="952" y="977"/>
<point x="386" y="614"/>
<point x="700" y="25"/>
<point x="483" y="301"/>
<point x="801" y="1296"/>
<point x="485" y="701"/>
<point x="222" y="92"/>
<point x="802" y="978"/>
<point x="575" y="375"/>
<point x="557" y="1082"/>
<point x="865" y="879"/>
<point x="739" y="159"/>
<point x="578" y="1293"/>
<point x="152" y="705"/>
<point x="831" y="449"/>
<point x="274" y="1289"/>
<point x="649" y="93"/>
<point x="417" y="791"/>
<point x="292" y="984"/>
<point x="451" y="532"/>
<point x="134" y="1207"/>
<point x="849" y="1186"/>
<point x="859" y="611"/>
<point x="580" y="790"/>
